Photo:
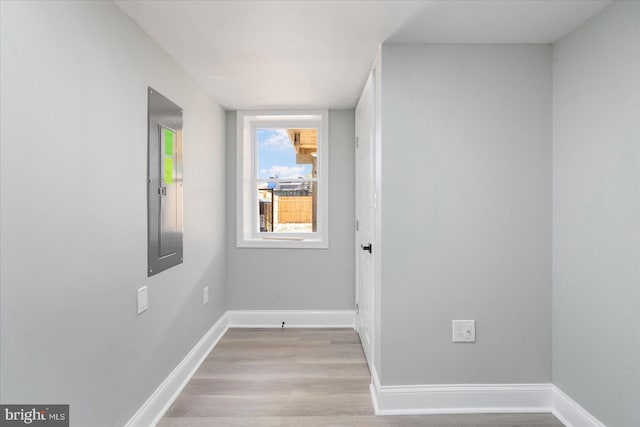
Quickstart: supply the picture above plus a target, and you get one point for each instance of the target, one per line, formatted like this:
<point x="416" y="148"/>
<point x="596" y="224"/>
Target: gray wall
<point x="466" y="213"/>
<point x="74" y="79"/>
<point x="596" y="216"/>
<point x="299" y="279"/>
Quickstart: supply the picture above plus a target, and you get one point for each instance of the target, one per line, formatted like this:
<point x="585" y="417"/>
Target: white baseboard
<point x="459" y="398"/>
<point x="292" y="318"/>
<point x="478" y="398"/>
<point x="570" y="413"/>
<point x="159" y="402"/>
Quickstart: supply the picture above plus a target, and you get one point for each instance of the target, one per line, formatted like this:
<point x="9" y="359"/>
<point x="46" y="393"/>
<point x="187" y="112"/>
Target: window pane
<point x="287" y="206"/>
<point x="287" y="153"/>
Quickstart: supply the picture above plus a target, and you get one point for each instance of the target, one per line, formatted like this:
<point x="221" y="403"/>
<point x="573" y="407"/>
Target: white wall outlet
<point x="143" y="299"/>
<point x="205" y="295"/>
<point x="464" y="330"/>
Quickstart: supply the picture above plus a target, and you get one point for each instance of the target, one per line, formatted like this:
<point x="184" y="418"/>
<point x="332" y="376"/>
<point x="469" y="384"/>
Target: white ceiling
<point x="317" y="54"/>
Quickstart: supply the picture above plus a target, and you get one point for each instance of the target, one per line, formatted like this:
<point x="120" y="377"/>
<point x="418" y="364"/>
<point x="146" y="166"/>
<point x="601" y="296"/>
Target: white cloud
<point x="287" y="171"/>
<point x="279" y="140"/>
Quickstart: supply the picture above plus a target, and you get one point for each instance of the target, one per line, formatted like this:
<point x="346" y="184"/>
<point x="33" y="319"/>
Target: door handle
<point x="366" y="248"/>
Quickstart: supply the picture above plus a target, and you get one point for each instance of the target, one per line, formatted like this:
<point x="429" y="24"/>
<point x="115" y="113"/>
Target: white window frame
<point x="248" y="234"/>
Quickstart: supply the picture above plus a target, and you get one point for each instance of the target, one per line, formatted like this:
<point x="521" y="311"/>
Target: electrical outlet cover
<point x="464" y="330"/>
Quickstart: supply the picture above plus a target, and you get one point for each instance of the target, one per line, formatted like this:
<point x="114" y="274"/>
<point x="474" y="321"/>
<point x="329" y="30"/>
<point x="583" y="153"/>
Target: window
<point x="282" y="179"/>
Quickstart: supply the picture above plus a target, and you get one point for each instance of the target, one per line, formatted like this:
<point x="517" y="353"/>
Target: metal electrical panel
<point x="164" y="184"/>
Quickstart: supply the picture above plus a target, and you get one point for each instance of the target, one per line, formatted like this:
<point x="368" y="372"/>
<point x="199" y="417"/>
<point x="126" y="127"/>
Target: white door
<point x="365" y="247"/>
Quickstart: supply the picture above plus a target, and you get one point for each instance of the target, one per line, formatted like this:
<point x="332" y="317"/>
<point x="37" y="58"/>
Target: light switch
<point x="143" y="300"/>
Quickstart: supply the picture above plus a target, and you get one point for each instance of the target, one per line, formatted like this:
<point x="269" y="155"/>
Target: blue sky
<point x="277" y="156"/>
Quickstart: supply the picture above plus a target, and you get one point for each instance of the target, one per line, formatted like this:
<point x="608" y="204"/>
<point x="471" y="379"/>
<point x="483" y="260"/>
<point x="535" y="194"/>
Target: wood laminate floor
<point x="300" y="377"/>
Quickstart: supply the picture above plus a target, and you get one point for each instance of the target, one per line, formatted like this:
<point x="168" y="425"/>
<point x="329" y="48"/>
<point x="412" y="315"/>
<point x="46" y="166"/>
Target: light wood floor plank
<point x="466" y="420"/>
<point x="300" y="377"/>
<point x="479" y="420"/>
<point x="216" y="369"/>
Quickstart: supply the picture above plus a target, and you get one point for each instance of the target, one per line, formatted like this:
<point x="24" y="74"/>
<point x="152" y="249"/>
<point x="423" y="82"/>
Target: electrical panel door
<point x="164" y="184"/>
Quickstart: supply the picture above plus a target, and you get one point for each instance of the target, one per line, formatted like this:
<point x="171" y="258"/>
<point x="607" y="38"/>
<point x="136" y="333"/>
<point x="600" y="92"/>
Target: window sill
<point x="275" y="243"/>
